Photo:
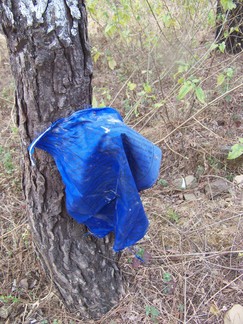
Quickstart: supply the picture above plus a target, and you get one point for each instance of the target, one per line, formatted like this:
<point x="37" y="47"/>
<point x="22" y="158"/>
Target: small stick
<point x="198" y="112"/>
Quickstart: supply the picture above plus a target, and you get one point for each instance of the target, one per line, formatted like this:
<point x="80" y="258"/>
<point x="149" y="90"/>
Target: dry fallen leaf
<point x="234" y="315"/>
<point x="214" y="309"/>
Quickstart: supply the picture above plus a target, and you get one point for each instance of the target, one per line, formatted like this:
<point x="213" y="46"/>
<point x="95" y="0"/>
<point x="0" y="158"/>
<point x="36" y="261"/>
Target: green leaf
<point x="173" y="216"/>
<point x="111" y="62"/>
<point x="185" y="89"/>
<point x="167" y="277"/>
<point x="226" y="34"/>
<point x="163" y="183"/>
<point x="227" y="4"/>
<point x="181" y="80"/>
<point x="168" y="20"/>
<point x="140" y="252"/>
<point x="183" y="68"/>
<point x="147" y="88"/>
<point x="151" y="310"/>
<point x="147" y="310"/>
<point x="91" y="8"/>
<point x="131" y="86"/>
<point x="211" y="18"/>
<point x="94" y="102"/>
<point x="220" y="79"/>
<point x="200" y="94"/>
<point x="110" y="30"/>
<point x="222" y="47"/>
<point x="159" y="104"/>
<point x="236" y="150"/>
<point x="96" y="56"/>
<point x="154" y="311"/>
<point x="230" y="73"/>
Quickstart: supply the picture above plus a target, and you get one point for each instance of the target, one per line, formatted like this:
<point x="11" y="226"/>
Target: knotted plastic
<point x="103" y="164"/>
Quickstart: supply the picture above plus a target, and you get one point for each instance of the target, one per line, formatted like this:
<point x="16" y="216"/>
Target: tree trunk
<point x="230" y="27"/>
<point x="51" y="64"/>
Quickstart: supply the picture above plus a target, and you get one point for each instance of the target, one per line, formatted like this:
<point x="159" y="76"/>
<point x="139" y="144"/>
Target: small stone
<point x="238" y="179"/>
<point x="14" y="285"/>
<point x="191" y="181"/>
<point x="178" y="183"/>
<point x="217" y="188"/>
<point x="32" y="284"/>
<point x="33" y="321"/>
<point x="184" y="183"/>
<point x="24" y="284"/>
<point x="190" y="197"/>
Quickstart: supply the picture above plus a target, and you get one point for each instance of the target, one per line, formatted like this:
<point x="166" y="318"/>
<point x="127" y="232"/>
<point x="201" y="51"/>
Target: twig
<point x="184" y="157"/>
<point x="14" y="229"/>
<point x="208" y="129"/>
<point x="216" y="176"/>
<point x="8" y="101"/>
<point x="196" y="254"/>
<point x="155" y="18"/>
<point x="219" y="291"/>
<point x="123" y="86"/>
<point x="152" y="112"/>
<point x="23" y="317"/>
<point x="199" y="112"/>
<point x="185" y="308"/>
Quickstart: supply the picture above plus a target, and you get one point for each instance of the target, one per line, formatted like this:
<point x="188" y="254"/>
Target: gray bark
<point x="51" y="64"/>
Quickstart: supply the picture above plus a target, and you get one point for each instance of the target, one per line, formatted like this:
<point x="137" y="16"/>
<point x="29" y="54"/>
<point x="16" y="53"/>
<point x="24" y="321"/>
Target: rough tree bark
<point x="51" y="64"/>
<point x="230" y="27"/>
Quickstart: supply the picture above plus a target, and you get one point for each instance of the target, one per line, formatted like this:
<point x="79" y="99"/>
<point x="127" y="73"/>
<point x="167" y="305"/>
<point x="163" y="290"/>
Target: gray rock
<point x="238" y="179"/>
<point x="217" y="187"/>
<point x="191" y="181"/>
<point x="24" y="283"/>
<point x="189" y="197"/>
<point x="178" y="183"/>
<point x="188" y="182"/>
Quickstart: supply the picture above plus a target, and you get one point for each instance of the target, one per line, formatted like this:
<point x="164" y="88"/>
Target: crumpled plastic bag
<point x="103" y="164"/>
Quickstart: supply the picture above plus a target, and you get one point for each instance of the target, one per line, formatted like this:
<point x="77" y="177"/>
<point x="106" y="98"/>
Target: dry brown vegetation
<point x="192" y="269"/>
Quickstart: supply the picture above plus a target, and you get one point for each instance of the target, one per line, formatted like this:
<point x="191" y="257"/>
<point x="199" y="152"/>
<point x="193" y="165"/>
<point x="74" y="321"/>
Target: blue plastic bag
<point x="103" y="164"/>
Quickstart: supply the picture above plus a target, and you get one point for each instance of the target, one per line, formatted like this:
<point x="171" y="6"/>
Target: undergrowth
<point x="159" y="64"/>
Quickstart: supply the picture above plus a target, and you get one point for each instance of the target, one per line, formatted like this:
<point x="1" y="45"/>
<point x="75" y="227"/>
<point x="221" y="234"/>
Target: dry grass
<point x="193" y="252"/>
